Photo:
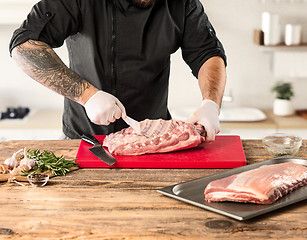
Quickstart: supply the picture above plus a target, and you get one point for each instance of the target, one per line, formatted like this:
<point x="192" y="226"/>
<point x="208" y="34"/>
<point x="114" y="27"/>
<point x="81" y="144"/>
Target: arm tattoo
<point x="41" y="63"/>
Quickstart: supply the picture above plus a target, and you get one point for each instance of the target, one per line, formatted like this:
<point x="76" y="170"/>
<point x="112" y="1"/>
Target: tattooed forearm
<point x="41" y="63"/>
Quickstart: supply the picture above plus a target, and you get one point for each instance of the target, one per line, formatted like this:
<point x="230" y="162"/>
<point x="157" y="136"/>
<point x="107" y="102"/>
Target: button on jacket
<point x="123" y="50"/>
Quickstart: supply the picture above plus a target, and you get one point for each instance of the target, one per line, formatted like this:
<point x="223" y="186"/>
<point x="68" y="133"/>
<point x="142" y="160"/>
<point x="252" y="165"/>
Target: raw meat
<point x="158" y="136"/>
<point x="263" y="185"/>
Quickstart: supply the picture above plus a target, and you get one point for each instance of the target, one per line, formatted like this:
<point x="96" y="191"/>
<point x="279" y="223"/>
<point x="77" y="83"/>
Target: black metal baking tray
<point x="192" y="192"/>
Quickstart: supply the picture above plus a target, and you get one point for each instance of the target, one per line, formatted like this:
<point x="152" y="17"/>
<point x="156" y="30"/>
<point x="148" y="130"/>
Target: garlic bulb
<point x="12" y="162"/>
<point x="27" y="161"/>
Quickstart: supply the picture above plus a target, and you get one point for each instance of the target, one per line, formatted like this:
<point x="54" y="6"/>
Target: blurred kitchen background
<point x="252" y="71"/>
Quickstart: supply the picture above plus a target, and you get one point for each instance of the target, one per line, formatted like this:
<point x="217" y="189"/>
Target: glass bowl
<point x="281" y="144"/>
<point x="38" y="179"/>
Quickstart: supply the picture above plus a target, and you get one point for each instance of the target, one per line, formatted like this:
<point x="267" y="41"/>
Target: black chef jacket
<point x="122" y="50"/>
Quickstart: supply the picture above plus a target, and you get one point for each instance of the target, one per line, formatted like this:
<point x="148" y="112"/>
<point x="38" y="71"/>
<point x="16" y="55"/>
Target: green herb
<point x="283" y="90"/>
<point x="47" y="160"/>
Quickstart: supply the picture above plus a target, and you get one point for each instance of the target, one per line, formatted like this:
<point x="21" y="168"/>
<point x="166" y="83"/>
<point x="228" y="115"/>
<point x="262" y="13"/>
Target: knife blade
<point x="134" y="124"/>
<point x="98" y="150"/>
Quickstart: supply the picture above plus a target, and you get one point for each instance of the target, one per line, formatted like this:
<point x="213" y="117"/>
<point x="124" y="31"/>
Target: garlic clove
<point x="25" y="168"/>
<point x="16" y="171"/>
<point x="4" y="168"/>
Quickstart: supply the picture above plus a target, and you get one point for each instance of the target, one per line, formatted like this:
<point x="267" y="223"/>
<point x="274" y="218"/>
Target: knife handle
<point x="90" y="139"/>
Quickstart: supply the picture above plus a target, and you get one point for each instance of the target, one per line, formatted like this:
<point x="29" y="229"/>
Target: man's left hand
<point x="208" y="116"/>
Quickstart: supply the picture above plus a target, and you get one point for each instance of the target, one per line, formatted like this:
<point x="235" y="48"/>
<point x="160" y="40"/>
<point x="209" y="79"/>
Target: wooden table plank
<point x="124" y="204"/>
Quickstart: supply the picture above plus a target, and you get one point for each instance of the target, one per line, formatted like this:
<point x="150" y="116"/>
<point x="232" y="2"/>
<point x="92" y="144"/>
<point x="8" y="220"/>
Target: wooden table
<point x="124" y="204"/>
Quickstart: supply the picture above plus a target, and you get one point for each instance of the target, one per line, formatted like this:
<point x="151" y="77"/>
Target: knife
<point x="134" y="124"/>
<point x="98" y="150"/>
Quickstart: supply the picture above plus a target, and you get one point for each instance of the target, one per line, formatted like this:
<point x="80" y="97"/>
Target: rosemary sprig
<point x="46" y="160"/>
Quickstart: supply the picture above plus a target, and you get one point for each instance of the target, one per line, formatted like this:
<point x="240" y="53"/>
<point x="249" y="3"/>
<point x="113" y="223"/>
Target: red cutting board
<point x="225" y="152"/>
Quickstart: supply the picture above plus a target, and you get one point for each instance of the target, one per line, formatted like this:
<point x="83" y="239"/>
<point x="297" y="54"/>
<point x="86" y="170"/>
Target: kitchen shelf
<point x="283" y="48"/>
<point x="295" y="124"/>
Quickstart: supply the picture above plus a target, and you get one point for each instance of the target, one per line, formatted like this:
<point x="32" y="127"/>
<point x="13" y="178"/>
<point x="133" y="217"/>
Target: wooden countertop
<point x="124" y="204"/>
<point x="272" y="121"/>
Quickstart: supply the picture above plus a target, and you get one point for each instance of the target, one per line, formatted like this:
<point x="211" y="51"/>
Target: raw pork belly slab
<point x="263" y="185"/>
<point x="158" y="136"/>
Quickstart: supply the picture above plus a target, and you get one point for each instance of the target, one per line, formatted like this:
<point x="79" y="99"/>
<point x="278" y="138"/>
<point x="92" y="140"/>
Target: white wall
<point x="249" y="74"/>
<point x="249" y="70"/>
<point x="16" y="88"/>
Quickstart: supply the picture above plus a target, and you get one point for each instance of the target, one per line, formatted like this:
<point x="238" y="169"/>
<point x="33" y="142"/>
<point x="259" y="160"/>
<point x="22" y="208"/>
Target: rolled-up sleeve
<point x="50" y="21"/>
<point x="199" y="42"/>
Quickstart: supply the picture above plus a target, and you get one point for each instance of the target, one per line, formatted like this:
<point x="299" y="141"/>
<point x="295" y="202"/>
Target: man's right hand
<point x="103" y="108"/>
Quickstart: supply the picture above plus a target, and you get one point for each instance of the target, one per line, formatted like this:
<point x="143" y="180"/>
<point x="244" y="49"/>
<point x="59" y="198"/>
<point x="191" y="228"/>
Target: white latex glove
<point x="103" y="108"/>
<point x="208" y="116"/>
